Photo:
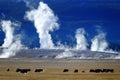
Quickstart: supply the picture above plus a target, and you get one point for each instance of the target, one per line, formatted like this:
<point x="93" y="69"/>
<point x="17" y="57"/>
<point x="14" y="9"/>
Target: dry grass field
<point x="60" y="69"/>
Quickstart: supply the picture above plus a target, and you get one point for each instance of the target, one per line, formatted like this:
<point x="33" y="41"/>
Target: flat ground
<point x="60" y="69"/>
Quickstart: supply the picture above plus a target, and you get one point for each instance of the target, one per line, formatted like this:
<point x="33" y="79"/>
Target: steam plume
<point x="12" y="49"/>
<point x="44" y="22"/>
<point x="8" y="30"/>
<point x="99" y="42"/>
<point x="80" y="39"/>
<point x="12" y="42"/>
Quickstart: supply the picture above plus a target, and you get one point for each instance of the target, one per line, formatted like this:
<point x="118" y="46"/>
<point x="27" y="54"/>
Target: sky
<point x="72" y="14"/>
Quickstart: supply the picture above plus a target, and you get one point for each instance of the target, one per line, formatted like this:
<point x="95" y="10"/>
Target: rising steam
<point x="99" y="42"/>
<point x="44" y="22"/>
<point x="8" y="30"/>
<point x="12" y="42"/>
<point x="80" y="39"/>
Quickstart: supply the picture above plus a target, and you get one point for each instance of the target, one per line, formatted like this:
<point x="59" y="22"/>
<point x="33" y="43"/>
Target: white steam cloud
<point x="8" y="30"/>
<point x="99" y="42"/>
<point x="44" y="22"/>
<point x="66" y="54"/>
<point x="12" y="42"/>
<point x="80" y="39"/>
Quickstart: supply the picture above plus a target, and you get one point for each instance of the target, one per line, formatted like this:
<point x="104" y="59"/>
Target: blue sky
<point x="72" y="14"/>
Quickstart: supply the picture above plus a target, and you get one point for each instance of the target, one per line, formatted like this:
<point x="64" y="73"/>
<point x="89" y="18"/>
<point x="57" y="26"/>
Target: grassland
<point x="51" y="69"/>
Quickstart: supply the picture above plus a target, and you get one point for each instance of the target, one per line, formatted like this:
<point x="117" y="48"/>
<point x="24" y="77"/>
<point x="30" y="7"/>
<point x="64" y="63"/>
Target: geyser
<point x="99" y="42"/>
<point x="80" y="39"/>
<point x="12" y="42"/>
<point x="44" y="21"/>
<point x="8" y="30"/>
